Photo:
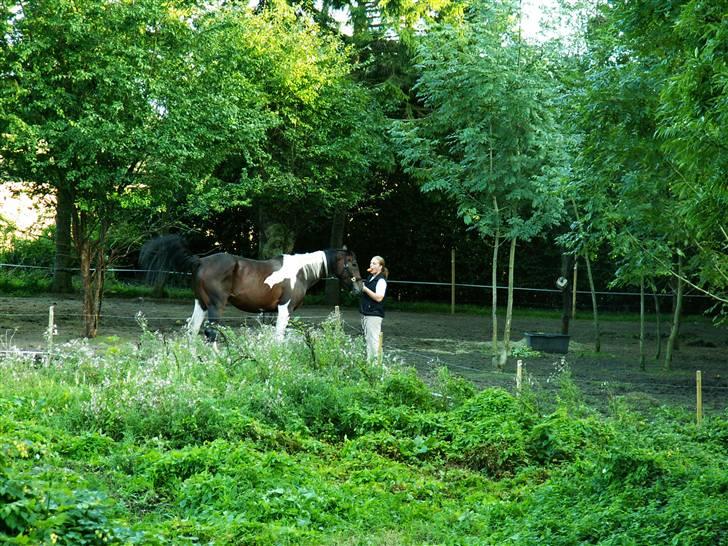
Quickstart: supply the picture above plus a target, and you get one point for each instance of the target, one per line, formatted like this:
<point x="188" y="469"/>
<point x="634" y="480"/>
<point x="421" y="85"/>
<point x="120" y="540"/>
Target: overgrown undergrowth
<point x="168" y="441"/>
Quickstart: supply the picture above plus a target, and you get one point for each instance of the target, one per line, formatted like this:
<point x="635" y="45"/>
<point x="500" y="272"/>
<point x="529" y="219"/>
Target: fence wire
<point x="647" y="294"/>
<point x="423" y="361"/>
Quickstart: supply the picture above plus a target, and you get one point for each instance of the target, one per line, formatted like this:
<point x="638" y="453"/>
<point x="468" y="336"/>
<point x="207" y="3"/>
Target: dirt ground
<point x="430" y="340"/>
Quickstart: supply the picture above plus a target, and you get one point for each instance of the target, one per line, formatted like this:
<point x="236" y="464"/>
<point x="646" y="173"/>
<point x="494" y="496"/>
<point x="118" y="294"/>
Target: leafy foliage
<point x="492" y="155"/>
<point x="169" y="442"/>
<point x="647" y="97"/>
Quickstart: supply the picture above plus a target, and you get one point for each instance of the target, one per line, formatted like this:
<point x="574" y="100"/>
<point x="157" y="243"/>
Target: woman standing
<point x="371" y="305"/>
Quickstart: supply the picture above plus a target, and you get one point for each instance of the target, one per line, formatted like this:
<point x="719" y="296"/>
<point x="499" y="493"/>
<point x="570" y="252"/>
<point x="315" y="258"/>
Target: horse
<point x="278" y="284"/>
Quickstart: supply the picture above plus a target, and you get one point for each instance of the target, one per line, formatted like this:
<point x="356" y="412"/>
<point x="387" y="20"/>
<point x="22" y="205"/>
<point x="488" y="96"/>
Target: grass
<point x="169" y="441"/>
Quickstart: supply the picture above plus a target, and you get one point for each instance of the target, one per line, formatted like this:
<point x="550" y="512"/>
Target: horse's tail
<point x="164" y="254"/>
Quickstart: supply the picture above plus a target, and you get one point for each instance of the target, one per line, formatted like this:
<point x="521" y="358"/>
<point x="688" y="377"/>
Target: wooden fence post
<point x="519" y="377"/>
<point x="699" y="394"/>
<point x="51" y="329"/>
<point x="452" y="281"/>
<point x="339" y="324"/>
<point x="379" y="349"/>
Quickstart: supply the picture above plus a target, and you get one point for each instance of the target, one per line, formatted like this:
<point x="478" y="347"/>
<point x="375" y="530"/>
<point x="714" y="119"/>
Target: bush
<point x="404" y="388"/>
<point x="489" y="433"/>
<point x="560" y="438"/>
<point x="39" y="252"/>
<point x="42" y="508"/>
<point x="295" y="443"/>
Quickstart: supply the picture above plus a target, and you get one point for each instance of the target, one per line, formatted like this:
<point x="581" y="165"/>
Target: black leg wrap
<point x="211" y="332"/>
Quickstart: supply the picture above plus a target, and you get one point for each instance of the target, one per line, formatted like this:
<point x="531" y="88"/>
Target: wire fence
<point x="459" y="292"/>
<point x="425" y="361"/>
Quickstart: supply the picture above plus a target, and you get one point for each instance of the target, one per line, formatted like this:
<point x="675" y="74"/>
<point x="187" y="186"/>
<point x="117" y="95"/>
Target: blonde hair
<point x="385" y="271"/>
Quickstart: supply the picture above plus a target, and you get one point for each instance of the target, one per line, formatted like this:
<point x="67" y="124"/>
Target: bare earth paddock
<point x="429" y="340"/>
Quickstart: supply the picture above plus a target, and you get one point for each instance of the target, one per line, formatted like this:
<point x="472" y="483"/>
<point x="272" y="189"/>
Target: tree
<point x="490" y="140"/>
<point x="638" y="171"/>
<point x="102" y="114"/>
<point x="326" y="140"/>
<point x="692" y="114"/>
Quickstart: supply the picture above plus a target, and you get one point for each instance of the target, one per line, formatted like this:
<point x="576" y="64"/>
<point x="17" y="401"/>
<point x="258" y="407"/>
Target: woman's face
<point x="375" y="268"/>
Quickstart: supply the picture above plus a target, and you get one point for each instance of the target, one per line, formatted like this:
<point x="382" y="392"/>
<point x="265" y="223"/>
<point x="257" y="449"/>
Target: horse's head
<point x="347" y="269"/>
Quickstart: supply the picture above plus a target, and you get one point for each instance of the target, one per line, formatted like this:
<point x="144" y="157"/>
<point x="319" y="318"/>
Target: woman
<point x="371" y="305"/>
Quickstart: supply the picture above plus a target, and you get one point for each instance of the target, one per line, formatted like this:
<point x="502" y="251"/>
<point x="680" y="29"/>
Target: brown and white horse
<point x="278" y="284"/>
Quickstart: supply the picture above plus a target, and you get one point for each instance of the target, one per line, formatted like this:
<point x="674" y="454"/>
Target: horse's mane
<point x="314" y="265"/>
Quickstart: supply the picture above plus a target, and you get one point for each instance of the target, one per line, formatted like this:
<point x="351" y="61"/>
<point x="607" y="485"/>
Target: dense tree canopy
<point x="650" y="169"/>
<point x="200" y="112"/>
<point x="135" y="106"/>
<point x="489" y="139"/>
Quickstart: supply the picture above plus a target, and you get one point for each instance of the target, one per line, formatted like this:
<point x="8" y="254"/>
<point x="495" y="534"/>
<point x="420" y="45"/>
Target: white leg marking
<point x="282" y="320"/>
<point x="196" y="320"/>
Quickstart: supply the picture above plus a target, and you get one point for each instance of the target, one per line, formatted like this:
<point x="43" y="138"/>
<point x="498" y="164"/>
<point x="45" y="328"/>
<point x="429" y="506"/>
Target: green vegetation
<point x="274" y="127"/>
<point x="168" y="441"/>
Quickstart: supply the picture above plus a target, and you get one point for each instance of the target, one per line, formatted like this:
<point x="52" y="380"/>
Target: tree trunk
<point x="597" y="332"/>
<point x="261" y="235"/>
<point x="92" y="254"/>
<point x="658" y="333"/>
<point x="90" y="324"/>
<point x="573" y="287"/>
<point x="642" y="323"/>
<point x="159" y="287"/>
<point x="675" y="282"/>
<point x="509" y="308"/>
<point x="671" y="341"/>
<point x="277" y="239"/>
<point x="92" y="271"/>
<point x="62" y="274"/>
<point x="494" y="294"/>
<point x="565" y="299"/>
<point x="336" y="240"/>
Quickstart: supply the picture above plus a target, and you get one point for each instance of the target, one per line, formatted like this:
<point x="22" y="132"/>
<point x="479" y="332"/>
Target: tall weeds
<point x="171" y="441"/>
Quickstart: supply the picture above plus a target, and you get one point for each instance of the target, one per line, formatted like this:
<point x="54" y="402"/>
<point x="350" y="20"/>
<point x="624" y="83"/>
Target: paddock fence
<point x="456" y="293"/>
<point x="538" y="373"/>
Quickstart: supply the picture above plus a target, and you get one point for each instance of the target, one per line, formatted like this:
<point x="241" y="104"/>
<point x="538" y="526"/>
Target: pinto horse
<point x="278" y="284"/>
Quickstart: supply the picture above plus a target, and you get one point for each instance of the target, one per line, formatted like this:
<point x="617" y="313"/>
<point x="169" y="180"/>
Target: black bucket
<point x="548" y="343"/>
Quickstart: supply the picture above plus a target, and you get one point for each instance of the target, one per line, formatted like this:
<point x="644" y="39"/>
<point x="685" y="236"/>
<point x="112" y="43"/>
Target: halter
<point x="345" y="272"/>
<point x="347" y="269"/>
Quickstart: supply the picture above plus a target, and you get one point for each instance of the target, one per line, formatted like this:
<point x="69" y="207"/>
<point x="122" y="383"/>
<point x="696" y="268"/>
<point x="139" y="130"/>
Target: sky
<point x="534" y="12"/>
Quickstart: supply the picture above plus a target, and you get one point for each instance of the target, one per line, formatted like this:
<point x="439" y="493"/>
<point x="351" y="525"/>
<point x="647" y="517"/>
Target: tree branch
<point x="723" y="299"/>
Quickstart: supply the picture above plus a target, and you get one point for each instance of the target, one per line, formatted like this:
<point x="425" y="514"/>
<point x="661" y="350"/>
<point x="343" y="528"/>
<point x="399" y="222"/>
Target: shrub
<point x="35" y="252"/>
<point x="453" y="390"/>
<point x="267" y="443"/>
<point x="489" y="433"/>
<point x="35" y="511"/>
<point x="560" y="438"/>
<point x="403" y="387"/>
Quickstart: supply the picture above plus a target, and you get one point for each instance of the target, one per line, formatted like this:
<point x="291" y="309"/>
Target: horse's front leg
<point x="284" y="314"/>
<point x="195" y="321"/>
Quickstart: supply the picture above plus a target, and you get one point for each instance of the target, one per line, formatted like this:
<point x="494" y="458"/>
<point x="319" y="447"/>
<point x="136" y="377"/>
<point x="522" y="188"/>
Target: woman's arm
<point x="379" y="294"/>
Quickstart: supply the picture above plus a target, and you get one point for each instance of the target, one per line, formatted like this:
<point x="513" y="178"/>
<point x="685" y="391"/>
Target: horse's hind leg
<point x="214" y="314"/>
<point x="195" y="321"/>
